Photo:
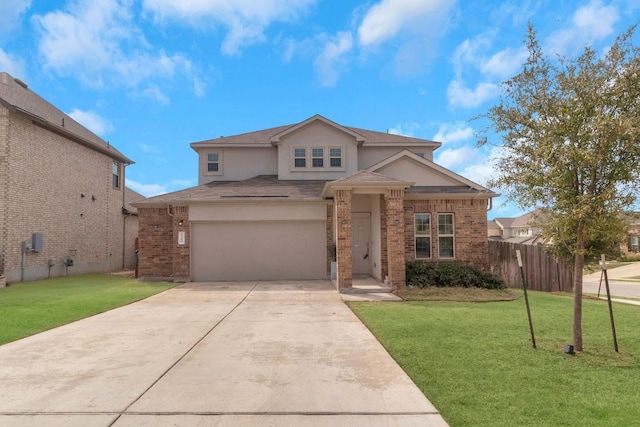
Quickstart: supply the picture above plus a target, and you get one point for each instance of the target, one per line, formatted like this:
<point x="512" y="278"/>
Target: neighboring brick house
<point x="270" y="202"/>
<point x="631" y="247"/>
<point x="61" y="191"/>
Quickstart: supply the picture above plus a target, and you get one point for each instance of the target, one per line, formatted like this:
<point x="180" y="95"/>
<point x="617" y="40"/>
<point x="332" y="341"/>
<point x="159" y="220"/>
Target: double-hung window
<point x="299" y="157"/>
<point x="335" y="157"/>
<point x="213" y="162"/>
<point x="317" y="157"/>
<point x="446" y="247"/>
<point x="116" y="175"/>
<point x="422" y="232"/>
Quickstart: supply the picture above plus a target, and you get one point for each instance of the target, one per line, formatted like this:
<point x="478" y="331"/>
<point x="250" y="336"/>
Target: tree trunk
<point x="578" y="265"/>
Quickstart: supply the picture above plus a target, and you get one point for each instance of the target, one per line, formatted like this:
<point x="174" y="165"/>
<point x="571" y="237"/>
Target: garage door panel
<point x="269" y="250"/>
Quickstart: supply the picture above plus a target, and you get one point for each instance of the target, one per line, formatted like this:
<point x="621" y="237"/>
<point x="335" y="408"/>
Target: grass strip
<point x="31" y="307"/>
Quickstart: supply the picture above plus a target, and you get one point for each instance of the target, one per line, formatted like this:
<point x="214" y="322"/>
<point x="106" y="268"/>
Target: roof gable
<point x="275" y="139"/>
<point x="445" y="176"/>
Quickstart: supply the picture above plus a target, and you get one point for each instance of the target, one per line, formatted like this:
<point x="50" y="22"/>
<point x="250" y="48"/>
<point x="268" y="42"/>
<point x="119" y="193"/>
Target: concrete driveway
<point x="221" y="354"/>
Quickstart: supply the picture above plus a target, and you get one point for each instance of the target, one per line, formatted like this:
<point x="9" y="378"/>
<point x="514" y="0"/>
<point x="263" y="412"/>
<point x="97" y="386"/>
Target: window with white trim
<point x="299" y="157"/>
<point x="446" y="247"/>
<point x="213" y="162"/>
<point x="317" y="157"/>
<point x="335" y="157"/>
<point x="422" y="234"/>
<point x="116" y="175"/>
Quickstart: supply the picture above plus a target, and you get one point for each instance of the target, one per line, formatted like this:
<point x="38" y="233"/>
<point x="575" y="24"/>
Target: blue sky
<point x="151" y="76"/>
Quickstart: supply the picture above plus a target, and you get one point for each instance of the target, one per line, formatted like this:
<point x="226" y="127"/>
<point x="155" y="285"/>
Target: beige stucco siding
<point x="237" y="164"/>
<point x="282" y="211"/>
<point x="317" y="134"/>
<point x="369" y="156"/>
<point x="48" y="175"/>
<point x="408" y="170"/>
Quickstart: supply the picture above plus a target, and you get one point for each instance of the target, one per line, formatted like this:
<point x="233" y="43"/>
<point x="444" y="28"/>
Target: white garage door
<point x="250" y="250"/>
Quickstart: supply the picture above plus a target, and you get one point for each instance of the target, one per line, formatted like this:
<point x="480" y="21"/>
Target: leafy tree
<point x="570" y="144"/>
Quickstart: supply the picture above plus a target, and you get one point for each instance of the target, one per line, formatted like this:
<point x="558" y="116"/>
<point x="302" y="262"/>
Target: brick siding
<point x="470" y="222"/>
<point x="57" y="187"/>
<point x="160" y="255"/>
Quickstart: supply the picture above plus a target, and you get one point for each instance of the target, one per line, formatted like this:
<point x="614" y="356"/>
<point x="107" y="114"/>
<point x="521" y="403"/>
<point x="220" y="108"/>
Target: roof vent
<point x="21" y="83"/>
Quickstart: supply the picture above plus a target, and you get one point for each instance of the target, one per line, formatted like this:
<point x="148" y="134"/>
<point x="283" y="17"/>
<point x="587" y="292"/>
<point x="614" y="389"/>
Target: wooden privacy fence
<point x="542" y="271"/>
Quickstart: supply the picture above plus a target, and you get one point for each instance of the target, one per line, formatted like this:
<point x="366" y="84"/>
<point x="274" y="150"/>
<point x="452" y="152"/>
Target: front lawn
<point x="31" y="307"/>
<point x="474" y="361"/>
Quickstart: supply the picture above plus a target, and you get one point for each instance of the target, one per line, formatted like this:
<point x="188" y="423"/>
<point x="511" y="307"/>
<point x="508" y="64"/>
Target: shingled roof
<point x="263" y="137"/>
<point x="262" y="187"/>
<point x="16" y="96"/>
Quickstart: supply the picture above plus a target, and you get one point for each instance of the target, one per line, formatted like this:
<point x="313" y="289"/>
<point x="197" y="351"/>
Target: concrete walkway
<point x="235" y="354"/>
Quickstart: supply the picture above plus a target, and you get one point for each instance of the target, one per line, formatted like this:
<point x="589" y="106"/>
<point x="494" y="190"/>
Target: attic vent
<point x="21" y="83"/>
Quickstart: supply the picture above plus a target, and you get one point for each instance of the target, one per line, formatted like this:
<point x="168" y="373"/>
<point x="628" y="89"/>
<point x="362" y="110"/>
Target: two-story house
<point x="61" y="192"/>
<point x="270" y="202"/>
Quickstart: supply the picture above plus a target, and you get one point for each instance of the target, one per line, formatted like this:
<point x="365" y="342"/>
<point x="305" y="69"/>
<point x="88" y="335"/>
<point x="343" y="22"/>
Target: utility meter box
<point x="36" y="242"/>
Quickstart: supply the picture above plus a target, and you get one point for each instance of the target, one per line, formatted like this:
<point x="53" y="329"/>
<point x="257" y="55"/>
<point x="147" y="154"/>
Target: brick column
<point x="395" y="237"/>
<point x="181" y="252"/>
<point x="342" y="200"/>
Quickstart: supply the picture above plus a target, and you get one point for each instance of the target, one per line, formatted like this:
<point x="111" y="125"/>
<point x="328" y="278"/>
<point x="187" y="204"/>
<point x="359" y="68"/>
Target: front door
<point x="360" y="238"/>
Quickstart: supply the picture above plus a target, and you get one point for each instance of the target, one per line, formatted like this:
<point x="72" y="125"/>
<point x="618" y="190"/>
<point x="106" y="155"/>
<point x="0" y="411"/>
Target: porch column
<point x="342" y="200"/>
<point x="395" y="237"/>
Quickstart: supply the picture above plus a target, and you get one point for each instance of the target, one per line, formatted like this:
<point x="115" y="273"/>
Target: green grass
<point x="475" y="361"/>
<point x="31" y="307"/>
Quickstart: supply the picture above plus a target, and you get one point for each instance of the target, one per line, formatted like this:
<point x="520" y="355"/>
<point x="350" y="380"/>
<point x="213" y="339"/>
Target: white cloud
<point x="153" y="92"/>
<point x="460" y="95"/>
<point x="484" y="168"/>
<point x="92" y="121"/>
<point x="414" y="26"/>
<point x="245" y="20"/>
<point x="454" y="157"/>
<point x="332" y="58"/>
<point x="386" y="19"/>
<point x="471" y="61"/>
<point x="504" y="64"/>
<point x="150" y="190"/>
<point x="405" y="129"/>
<point x="11" y="12"/>
<point x="590" y="23"/>
<point x="451" y="133"/>
<point x="97" y="42"/>
<point x="12" y="64"/>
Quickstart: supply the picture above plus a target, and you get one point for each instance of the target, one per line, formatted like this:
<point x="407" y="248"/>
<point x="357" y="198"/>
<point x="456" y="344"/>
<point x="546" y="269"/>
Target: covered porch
<point x="368" y="229"/>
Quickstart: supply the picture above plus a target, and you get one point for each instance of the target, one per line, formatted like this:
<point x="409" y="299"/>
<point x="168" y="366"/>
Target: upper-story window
<point x="116" y="175"/>
<point x="300" y="157"/>
<point x="317" y="158"/>
<point x="335" y="157"/>
<point x="213" y="165"/>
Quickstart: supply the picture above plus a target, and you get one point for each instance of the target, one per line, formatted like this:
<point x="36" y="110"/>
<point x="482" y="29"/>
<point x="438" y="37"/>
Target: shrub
<point x="450" y="274"/>
<point x="629" y="258"/>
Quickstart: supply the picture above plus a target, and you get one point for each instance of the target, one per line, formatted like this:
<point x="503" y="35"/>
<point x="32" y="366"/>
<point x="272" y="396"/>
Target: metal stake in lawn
<point x="526" y="297"/>
<point x="606" y="284"/>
